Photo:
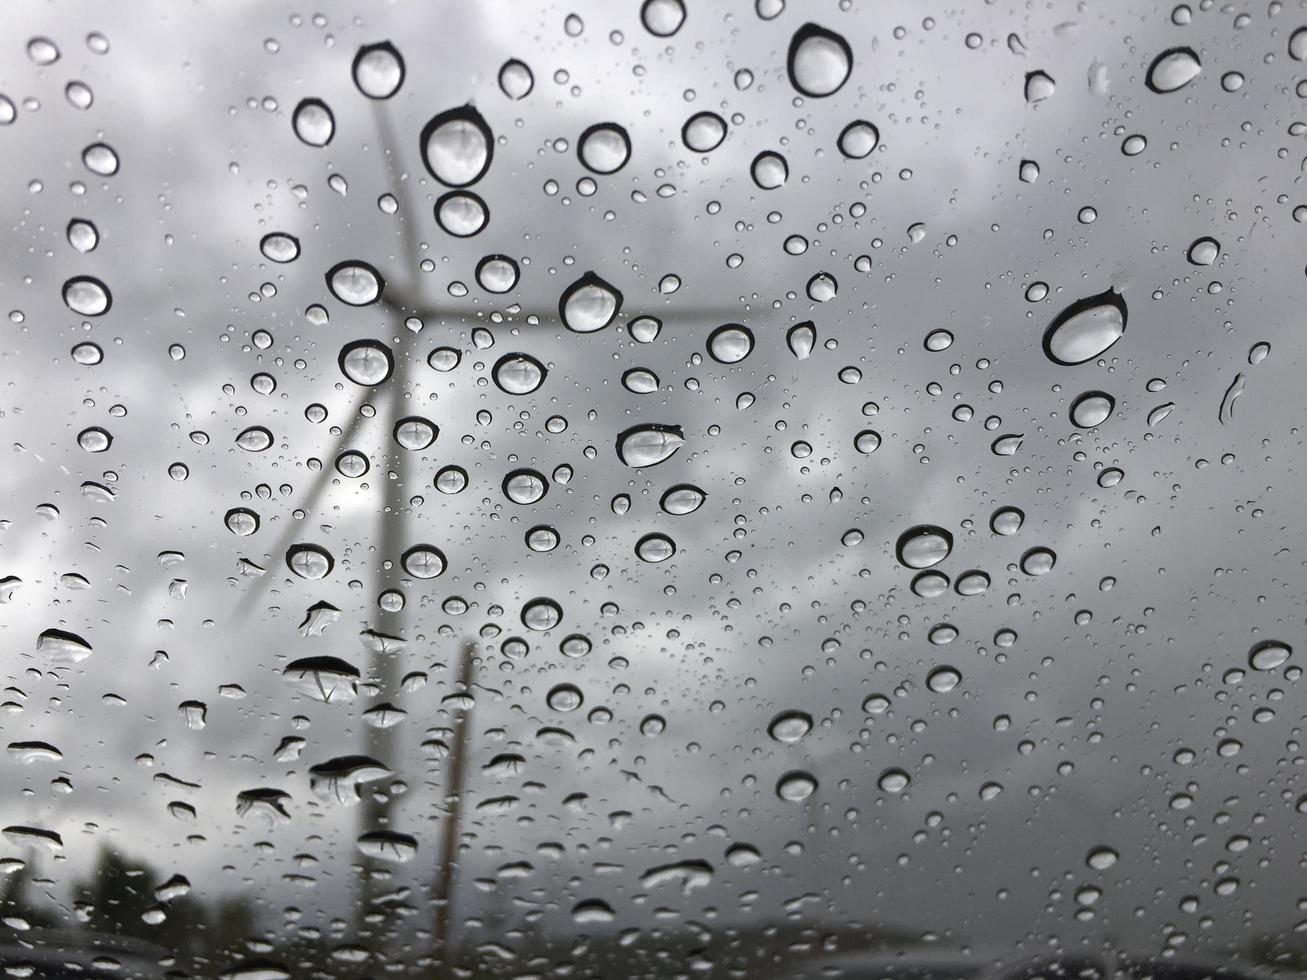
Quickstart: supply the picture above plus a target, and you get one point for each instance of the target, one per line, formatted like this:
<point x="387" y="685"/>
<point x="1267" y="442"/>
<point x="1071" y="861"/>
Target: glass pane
<point x="683" y="488"/>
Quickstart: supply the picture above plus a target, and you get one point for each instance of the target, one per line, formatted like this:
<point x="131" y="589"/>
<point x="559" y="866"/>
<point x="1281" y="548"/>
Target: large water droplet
<point x="790" y="726"/>
<point x="461" y="214"/>
<point x="423" y="561"/>
<point x="589" y="304"/>
<point x="819" y="61"/>
<point x="1039" y="86"/>
<point x="858" y="139"/>
<point x="796" y="786"/>
<point x="649" y="445"/>
<point x="366" y="362"/>
<point x="1172" y="70"/>
<point x="662" y="18"/>
<point x="769" y="170"/>
<point x="541" y="614"/>
<point x="457" y="146"/>
<point x="378" y="70"/>
<point x="1269" y="654"/>
<point x="604" y="148"/>
<point x="730" y="343"/>
<point x="515" y="79"/>
<point x="525" y="486"/>
<point x="87" y="296"/>
<point x="1204" y="251"/>
<point x="355" y="283"/>
<point x="313" y="122"/>
<point x="310" y="561"/>
<point x="703" y="132"/>
<point x="923" y="546"/>
<point x="1092" y="408"/>
<point x="655" y="548"/>
<point x="1086" y="329"/>
<point x="518" y="374"/>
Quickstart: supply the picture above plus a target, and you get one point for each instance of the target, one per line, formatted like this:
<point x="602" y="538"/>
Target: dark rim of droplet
<point x="306" y="103"/>
<point x="451" y="195"/>
<point x="452" y="469"/>
<point x="682" y="488"/>
<point x="531" y="81"/>
<point x="675" y="430"/>
<point x="1084" y="397"/>
<point x="418" y="420"/>
<point x="1148" y="75"/>
<point x="847" y="130"/>
<point x="368" y="49"/>
<point x="590" y="279"/>
<point x="310" y="549"/>
<point x="519" y="356"/>
<point x="263" y="245"/>
<point x="76" y="280"/>
<point x="1109" y="298"/>
<point x="734" y="327"/>
<point x="685" y="131"/>
<point x="598" y="127"/>
<point x="806" y="33"/>
<point x="526" y="471"/>
<point x="465" y="113"/>
<point x="372" y="345"/>
<point x="356" y="264"/>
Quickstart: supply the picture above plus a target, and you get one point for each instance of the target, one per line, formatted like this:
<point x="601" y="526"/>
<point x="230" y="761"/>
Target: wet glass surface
<point x="682" y="489"/>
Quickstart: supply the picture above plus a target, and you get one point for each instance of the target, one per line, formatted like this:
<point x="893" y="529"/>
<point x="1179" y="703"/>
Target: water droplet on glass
<point x="515" y="79"/>
<point x="461" y="214"/>
<point x="1172" y="70"/>
<point x="280" y="247"/>
<point x="1038" y="561"/>
<point x="604" y="148"/>
<point x="255" y="439"/>
<point x="366" y="362"/>
<point x="355" y="283"/>
<point x="1092" y="408"/>
<point x="423" y="561"/>
<point x="1204" y="251"/>
<point x="42" y="51"/>
<point x="941" y="680"/>
<point x="518" y="374"/>
<point x="662" y="18"/>
<point x="730" y="343"/>
<point x="313" y="122"/>
<point x="923" y="546"/>
<point x="87" y="296"/>
<point x="790" y="726"/>
<point x="819" y="61"/>
<point x="378" y="70"/>
<point x="589" y="304"/>
<point x="1269" y="654"/>
<point x="796" y="786"/>
<point x="648" y="445"/>
<point x="457" y="146"/>
<point x="655" y="548"/>
<point x="1086" y="329"/>
<point x="893" y="781"/>
<point x="703" y="132"/>
<point x="1039" y="86"/>
<point x="858" y="139"/>
<point x="497" y="274"/>
<point x="769" y="170"/>
<point x="525" y="486"/>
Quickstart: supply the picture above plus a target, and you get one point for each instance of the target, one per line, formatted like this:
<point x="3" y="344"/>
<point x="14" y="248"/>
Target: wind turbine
<point x="405" y="299"/>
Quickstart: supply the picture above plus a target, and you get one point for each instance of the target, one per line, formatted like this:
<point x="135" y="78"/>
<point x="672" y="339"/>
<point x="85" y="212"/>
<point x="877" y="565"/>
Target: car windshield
<point x="665" y="489"/>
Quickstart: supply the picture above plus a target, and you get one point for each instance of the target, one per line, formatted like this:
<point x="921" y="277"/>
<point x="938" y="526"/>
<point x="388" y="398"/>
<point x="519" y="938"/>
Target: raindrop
<point x="858" y="139"/>
<point x="94" y="439"/>
<point x="822" y="287"/>
<point x="644" y="329"/>
<point x="366" y="362"/>
<point x="662" y="18"/>
<point x="1269" y="654"/>
<point x="255" y="439"/>
<point x="497" y="273"/>
<point x="1204" y="251"/>
<point x="769" y="170"/>
<point x="280" y="247"/>
<point x="451" y="480"/>
<point x="938" y="340"/>
<point x="819" y="61"/>
<point x="648" y="445"/>
<point x="640" y="381"/>
<point x="525" y="486"/>
<point x="796" y="786"/>
<point x="515" y="79"/>
<point x="1006" y="520"/>
<point x="589" y="304"/>
<point x="378" y="70"/>
<point x="423" y="561"/>
<point x="703" y="132"/>
<point x="867" y="441"/>
<point x="1086" y="329"/>
<point x="241" y="521"/>
<point x="1172" y="70"/>
<point x="355" y="283"/>
<point x="730" y="343"/>
<point x="83" y="235"/>
<point x="1038" y="561"/>
<point x="655" y="548"/>
<point x="1039" y="86"/>
<point x="893" y="781"/>
<point x="790" y="726"/>
<point x="444" y="359"/>
<point x="87" y="296"/>
<point x="941" y="680"/>
<point x="457" y="146"/>
<point x="801" y="339"/>
<point x="1092" y="408"/>
<point x="923" y="546"/>
<point x="541" y="614"/>
<point x="604" y="148"/>
<point x="682" y="499"/>
<point x="518" y="374"/>
<point x="42" y="51"/>
<point x="461" y="214"/>
<point x="415" y="433"/>
<point x="313" y="122"/>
